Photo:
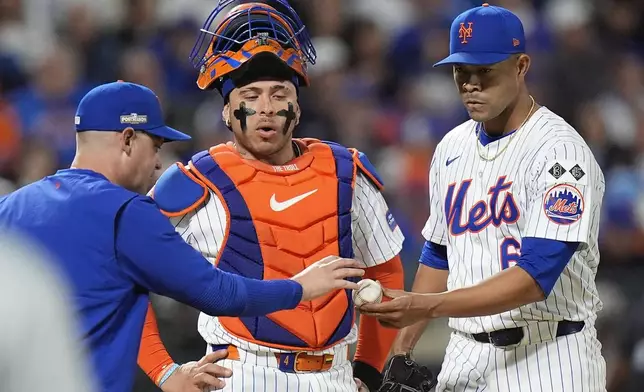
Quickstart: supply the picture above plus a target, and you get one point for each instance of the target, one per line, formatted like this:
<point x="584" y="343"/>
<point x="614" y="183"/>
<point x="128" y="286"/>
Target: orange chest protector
<point x="280" y="220"/>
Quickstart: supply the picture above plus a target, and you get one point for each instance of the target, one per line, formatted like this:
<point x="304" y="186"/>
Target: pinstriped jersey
<point x="375" y="241"/>
<point x="545" y="184"/>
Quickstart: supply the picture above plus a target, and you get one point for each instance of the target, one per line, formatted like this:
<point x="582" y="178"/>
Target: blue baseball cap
<point x="119" y="105"/>
<point x="484" y="35"/>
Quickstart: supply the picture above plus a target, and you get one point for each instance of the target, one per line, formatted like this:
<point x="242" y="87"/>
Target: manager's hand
<point x="327" y="275"/>
<point x="198" y="376"/>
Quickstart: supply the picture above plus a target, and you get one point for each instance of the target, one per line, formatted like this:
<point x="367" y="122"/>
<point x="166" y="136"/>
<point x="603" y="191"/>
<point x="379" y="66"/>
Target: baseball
<point x="368" y="292"/>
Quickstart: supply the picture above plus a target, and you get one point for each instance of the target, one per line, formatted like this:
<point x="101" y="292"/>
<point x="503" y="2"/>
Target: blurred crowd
<point x="373" y="88"/>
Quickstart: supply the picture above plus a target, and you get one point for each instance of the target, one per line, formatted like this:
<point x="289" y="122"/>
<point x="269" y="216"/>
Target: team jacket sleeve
<point x="434" y="230"/>
<point x="153" y="357"/>
<point x="376" y="236"/>
<point x="155" y="256"/>
<point x="566" y="191"/>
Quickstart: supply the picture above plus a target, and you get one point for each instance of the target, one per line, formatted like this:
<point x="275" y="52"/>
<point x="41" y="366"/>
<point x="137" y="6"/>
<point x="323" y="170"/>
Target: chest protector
<point x="281" y="219"/>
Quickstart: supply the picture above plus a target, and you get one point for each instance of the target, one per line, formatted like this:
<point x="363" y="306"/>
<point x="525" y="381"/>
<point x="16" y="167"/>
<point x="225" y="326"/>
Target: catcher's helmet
<point x="248" y="30"/>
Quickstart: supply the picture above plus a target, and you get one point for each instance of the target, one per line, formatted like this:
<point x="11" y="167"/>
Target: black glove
<point x="403" y="374"/>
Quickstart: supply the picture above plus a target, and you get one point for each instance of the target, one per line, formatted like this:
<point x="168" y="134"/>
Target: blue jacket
<point x="114" y="247"/>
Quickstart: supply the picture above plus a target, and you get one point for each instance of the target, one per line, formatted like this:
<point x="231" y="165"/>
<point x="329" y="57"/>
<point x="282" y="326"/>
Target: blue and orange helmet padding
<point x="247" y="30"/>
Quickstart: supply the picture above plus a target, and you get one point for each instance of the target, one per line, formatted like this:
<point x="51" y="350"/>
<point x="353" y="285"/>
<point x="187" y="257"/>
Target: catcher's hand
<point x="403" y="374"/>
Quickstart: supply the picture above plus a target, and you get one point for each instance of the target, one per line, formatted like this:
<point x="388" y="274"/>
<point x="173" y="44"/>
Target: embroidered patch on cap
<point x="134" y="118"/>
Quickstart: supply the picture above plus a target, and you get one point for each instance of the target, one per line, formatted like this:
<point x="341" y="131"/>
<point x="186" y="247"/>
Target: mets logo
<point x="563" y="204"/>
<point x="500" y="208"/>
<point x="465" y="32"/>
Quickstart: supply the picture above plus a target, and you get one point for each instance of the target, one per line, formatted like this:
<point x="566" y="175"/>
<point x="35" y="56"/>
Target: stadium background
<point x="374" y="89"/>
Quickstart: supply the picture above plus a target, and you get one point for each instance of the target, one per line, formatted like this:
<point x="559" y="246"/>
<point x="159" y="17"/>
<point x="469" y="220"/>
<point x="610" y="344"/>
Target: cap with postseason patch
<point x="119" y="105"/>
<point x="484" y="35"/>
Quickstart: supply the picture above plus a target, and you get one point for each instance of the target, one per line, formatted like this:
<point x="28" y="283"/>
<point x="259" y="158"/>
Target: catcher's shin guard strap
<point x="403" y="374"/>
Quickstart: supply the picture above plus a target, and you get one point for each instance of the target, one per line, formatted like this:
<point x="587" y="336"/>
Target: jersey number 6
<point x="510" y="251"/>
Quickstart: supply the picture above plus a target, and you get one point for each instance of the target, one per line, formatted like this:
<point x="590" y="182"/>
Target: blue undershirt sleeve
<point x="155" y="257"/>
<point x="545" y="260"/>
<point x="434" y="255"/>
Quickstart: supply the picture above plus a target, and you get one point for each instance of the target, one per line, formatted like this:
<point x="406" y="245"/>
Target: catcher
<point x="268" y="205"/>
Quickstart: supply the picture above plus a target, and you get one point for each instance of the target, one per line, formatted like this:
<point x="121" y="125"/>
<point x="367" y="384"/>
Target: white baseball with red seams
<point x="369" y="292"/>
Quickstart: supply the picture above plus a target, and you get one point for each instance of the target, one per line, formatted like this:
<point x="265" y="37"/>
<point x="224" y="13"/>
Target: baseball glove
<point x="403" y="374"/>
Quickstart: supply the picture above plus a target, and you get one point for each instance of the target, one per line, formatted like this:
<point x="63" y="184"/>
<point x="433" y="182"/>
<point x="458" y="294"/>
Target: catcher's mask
<point x="247" y="31"/>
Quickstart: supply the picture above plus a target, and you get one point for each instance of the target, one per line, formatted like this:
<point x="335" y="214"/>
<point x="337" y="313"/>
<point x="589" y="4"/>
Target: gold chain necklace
<point x="478" y="136"/>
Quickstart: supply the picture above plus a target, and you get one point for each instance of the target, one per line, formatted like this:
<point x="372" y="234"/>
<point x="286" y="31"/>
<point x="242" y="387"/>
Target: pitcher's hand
<point x="403" y="310"/>
<point x="327" y="275"/>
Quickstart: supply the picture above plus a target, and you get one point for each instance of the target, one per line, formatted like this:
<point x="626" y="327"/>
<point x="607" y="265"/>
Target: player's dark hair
<point x="263" y="66"/>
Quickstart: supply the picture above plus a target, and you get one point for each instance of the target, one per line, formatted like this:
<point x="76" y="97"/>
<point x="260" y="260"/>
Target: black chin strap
<point x="296" y="149"/>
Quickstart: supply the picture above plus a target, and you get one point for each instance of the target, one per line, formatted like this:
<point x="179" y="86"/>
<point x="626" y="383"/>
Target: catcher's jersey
<point x="546" y="184"/>
<point x="375" y="241"/>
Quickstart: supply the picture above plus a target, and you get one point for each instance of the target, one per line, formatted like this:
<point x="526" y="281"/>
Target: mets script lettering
<point x="562" y="206"/>
<point x="499" y="208"/>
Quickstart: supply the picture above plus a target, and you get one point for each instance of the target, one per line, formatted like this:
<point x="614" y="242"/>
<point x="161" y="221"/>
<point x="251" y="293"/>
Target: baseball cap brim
<point x="169" y="134"/>
<point x="479" y="58"/>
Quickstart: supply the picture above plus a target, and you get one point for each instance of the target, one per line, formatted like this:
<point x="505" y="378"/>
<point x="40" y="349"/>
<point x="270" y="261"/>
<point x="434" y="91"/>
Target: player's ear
<point x="523" y="64"/>
<point x="225" y="114"/>
<point x="128" y="135"/>
<point x="298" y="113"/>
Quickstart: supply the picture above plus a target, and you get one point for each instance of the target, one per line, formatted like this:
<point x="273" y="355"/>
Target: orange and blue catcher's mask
<point x="247" y="30"/>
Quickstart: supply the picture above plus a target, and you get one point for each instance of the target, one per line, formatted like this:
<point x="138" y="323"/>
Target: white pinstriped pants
<point x="258" y="371"/>
<point x="571" y="363"/>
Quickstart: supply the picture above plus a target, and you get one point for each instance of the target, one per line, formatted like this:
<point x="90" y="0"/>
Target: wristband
<point x="168" y="373"/>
